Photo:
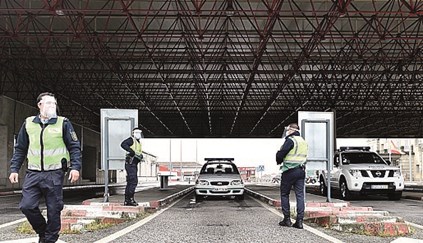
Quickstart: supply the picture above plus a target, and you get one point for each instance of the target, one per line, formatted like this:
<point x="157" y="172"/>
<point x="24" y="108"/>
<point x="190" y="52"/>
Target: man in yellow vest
<point x="292" y="158"/>
<point x="48" y="142"/>
<point x="132" y="146"/>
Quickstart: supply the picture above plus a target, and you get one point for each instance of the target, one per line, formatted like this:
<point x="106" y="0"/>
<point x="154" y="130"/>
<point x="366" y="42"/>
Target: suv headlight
<point x="236" y="182"/>
<point x="202" y="182"/>
<point x="397" y="173"/>
<point x="355" y="173"/>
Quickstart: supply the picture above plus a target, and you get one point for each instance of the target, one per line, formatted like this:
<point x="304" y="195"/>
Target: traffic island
<point x="91" y="216"/>
<point x="359" y="220"/>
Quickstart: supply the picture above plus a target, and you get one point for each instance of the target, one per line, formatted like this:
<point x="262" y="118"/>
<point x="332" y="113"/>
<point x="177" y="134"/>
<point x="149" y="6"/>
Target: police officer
<point x="132" y="146"/>
<point x="292" y="157"/>
<point x="48" y="142"/>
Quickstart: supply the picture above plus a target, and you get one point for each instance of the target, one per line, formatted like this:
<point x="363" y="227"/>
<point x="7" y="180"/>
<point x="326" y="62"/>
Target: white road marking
<point x="136" y="225"/>
<point x="12" y="223"/>
<point x="306" y="227"/>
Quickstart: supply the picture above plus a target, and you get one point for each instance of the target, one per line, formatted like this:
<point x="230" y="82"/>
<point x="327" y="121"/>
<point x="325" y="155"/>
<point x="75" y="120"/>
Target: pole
<point x="180" y="165"/>
<point x="170" y="156"/>
<point x="409" y="164"/>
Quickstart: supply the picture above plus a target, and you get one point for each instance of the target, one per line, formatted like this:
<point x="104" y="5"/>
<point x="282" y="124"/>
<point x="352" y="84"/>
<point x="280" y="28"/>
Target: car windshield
<point x="361" y="158"/>
<point x="219" y="168"/>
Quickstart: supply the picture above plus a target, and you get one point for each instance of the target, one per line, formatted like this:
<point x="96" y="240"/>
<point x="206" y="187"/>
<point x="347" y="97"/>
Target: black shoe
<point x="286" y="222"/>
<point x="298" y="224"/>
<point x="130" y="202"/>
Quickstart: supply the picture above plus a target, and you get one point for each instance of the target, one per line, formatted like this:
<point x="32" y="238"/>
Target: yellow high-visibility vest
<point x="136" y="146"/>
<point x="46" y="146"/>
<point x="297" y="155"/>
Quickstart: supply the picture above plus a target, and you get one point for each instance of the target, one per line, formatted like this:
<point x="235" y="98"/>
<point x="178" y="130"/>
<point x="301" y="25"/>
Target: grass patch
<point x="25" y="228"/>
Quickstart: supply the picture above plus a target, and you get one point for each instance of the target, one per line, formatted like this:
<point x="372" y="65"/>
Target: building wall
<point x="403" y="160"/>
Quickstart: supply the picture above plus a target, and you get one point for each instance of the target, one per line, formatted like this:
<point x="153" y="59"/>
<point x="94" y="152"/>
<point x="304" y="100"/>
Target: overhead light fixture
<point x="60" y="12"/>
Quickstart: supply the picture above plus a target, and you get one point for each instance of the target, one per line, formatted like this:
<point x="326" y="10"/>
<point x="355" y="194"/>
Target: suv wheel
<point x="322" y="187"/>
<point x="344" y="191"/>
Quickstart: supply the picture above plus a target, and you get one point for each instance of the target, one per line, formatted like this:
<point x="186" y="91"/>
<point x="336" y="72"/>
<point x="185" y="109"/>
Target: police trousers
<point x="47" y="184"/>
<point x="131" y="179"/>
<point x="293" y="178"/>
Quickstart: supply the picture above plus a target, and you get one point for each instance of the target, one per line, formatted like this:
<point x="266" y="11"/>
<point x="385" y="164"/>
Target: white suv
<point x="356" y="170"/>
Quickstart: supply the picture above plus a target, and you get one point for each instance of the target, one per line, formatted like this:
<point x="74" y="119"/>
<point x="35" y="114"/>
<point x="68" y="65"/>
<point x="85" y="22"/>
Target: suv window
<point x="361" y="158"/>
<point x="219" y="168"/>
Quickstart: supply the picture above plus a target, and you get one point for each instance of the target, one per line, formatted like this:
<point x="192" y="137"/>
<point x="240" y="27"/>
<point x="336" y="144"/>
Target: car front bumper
<point x="375" y="185"/>
<point x="219" y="191"/>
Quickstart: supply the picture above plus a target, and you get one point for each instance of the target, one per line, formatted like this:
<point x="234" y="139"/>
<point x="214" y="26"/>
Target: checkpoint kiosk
<point x="318" y="129"/>
<point x="116" y="125"/>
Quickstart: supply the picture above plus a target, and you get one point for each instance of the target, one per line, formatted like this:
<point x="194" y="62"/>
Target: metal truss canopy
<point x="221" y="68"/>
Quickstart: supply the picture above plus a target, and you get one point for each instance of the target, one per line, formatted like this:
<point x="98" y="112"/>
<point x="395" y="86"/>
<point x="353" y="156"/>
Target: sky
<point x="246" y="152"/>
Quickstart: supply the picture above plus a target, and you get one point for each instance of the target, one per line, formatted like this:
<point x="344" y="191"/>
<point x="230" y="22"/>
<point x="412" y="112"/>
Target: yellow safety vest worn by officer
<point x="297" y="156"/>
<point x="136" y="147"/>
<point x="46" y="146"/>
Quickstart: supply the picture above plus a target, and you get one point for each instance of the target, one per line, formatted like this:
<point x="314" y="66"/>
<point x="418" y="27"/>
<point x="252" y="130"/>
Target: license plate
<point x="220" y="189"/>
<point x="379" y="186"/>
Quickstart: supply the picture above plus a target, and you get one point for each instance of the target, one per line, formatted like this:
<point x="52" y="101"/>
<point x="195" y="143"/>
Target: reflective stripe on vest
<point x="46" y="146"/>
<point x="136" y="146"/>
<point x="297" y="155"/>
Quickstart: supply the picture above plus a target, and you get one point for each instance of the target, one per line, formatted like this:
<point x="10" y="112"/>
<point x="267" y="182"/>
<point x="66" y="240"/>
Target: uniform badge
<point x="73" y="136"/>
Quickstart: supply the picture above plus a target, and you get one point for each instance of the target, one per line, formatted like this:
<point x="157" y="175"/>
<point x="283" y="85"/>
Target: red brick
<point x="65" y="226"/>
<point x="389" y="229"/>
<point x="313" y="204"/>
<point x="112" y="220"/>
<point x="356" y="209"/>
<point x="155" y="204"/>
<point x="402" y="228"/>
<point x="107" y="208"/>
<point x="80" y="213"/>
<point x="127" y="209"/>
<point x="372" y="228"/>
<point x="86" y="202"/>
<point x="69" y="220"/>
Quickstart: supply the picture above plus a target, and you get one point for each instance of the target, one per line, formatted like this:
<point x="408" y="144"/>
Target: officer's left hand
<point x="73" y="176"/>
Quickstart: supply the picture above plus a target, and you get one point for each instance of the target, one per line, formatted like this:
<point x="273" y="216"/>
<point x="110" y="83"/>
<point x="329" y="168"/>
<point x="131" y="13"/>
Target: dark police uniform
<point x="131" y="166"/>
<point x="42" y="144"/>
<point x="292" y="154"/>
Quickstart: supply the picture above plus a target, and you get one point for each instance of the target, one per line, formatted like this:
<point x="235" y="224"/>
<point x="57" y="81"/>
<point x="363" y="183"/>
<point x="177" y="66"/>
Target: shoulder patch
<point x="73" y="136"/>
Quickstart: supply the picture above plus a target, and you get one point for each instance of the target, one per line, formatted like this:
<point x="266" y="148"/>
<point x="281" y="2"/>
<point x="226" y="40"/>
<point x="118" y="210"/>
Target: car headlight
<point x="397" y="173"/>
<point x="202" y="182"/>
<point x="236" y="182"/>
<point x="355" y="173"/>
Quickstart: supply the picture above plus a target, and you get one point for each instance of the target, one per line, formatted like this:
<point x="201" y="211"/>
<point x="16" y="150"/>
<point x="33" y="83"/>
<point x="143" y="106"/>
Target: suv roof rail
<point x="359" y="148"/>
<point x="219" y="159"/>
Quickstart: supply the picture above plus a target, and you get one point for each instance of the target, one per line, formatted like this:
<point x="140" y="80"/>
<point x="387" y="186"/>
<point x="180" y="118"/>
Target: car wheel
<point x="395" y="196"/>
<point x="322" y="187"/>
<point x="344" y="191"/>
<point x="240" y="197"/>
<point x="198" y="198"/>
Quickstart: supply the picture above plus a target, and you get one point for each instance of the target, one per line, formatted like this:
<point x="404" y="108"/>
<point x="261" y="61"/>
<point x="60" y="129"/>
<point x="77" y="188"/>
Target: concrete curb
<point x="171" y="198"/>
<point x="263" y="198"/>
<point x="345" y="218"/>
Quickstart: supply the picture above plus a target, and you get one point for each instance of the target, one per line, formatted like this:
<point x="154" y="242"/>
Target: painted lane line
<point x="306" y="227"/>
<point x="136" y="225"/>
<point x="12" y="223"/>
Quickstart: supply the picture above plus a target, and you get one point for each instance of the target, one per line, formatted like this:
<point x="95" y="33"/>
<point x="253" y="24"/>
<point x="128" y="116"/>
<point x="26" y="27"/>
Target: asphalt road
<point x="217" y="220"/>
